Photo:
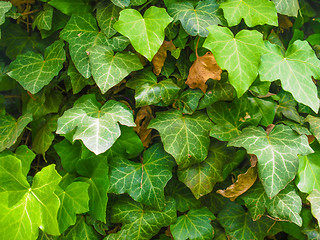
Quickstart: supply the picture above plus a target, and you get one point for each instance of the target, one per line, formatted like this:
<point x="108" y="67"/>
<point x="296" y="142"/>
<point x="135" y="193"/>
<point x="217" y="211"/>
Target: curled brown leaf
<point x="161" y="55"/>
<point x="142" y="121"/>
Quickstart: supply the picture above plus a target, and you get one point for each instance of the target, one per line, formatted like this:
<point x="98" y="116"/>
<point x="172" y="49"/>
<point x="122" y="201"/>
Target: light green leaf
<point x="287" y="7"/>
<point x="294" y="69"/>
<point x="314" y="199"/>
<point x="196" y="20"/>
<point x="81" y="32"/>
<point x="145" y="181"/>
<point x="194" y="225"/>
<point x="37" y="206"/>
<point x="253" y="12"/>
<point x="186" y="138"/>
<point x="33" y="71"/>
<point x="97" y="126"/>
<point x="267" y="109"/>
<point x="230" y="118"/>
<point x="26" y="156"/>
<point x="137" y="2"/>
<point x="72" y="6"/>
<point x="239" y="55"/>
<point x="10" y="129"/>
<point x="78" y="82"/>
<point x="309" y="171"/>
<point x="148" y="91"/>
<point x="73" y="200"/>
<point x="109" y="69"/>
<point x="277" y="152"/>
<point x="314" y="126"/>
<point x="139" y="222"/>
<point x="239" y="224"/>
<point x="81" y="230"/>
<point x="43" y="20"/>
<point x="145" y="33"/>
<point x="107" y="15"/>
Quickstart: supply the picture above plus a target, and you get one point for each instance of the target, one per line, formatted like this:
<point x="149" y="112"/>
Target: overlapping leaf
<point x="4" y="8"/>
<point x="144" y="181"/>
<point x="33" y="71"/>
<point x="72" y="6"/>
<point x="195" y="224"/>
<point x="145" y="33"/>
<point x="314" y="199"/>
<point x="109" y="69"/>
<point x="186" y="138"/>
<point x="78" y="82"/>
<point x="107" y="15"/>
<point x="81" y="230"/>
<point x="239" y="55"/>
<point x="277" y="153"/>
<point x="43" y="20"/>
<point x="294" y="69"/>
<point x="288" y="7"/>
<point x="253" y="12"/>
<point x="196" y="20"/>
<point x="97" y="126"/>
<point x="188" y="100"/>
<point x="314" y="126"/>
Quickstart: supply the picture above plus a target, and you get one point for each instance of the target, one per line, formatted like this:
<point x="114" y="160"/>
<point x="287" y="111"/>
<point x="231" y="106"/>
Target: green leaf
<point x="10" y="129"/>
<point x="73" y="200"/>
<point x="109" y="69"/>
<point x="239" y="55"/>
<point x="72" y="6"/>
<point x="36" y="206"/>
<point x="107" y="15"/>
<point x="186" y="138"/>
<point x="26" y="156"/>
<point x="277" y="152"/>
<point x="96" y="169"/>
<point x="148" y="91"/>
<point x="97" y="126"/>
<point x="194" y="225"/>
<point x="121" y="3"/>
<point x="314" y="126"/>
<point x="239" y="224"/>
<point x="309" y="171"/>
<point x="189" y="100"/>
<point x="289" y="7"/>
<point x="230" y="118"/>
<point x="267" y="109"/>
<point x="43" y="20"/>
<point x="33" y="71"/>
<point x="288" y="106"/>
<point x="253" y="12"/>
<point x="148" y="33"/>
<point x="196" y="20"/>
<point x="139" y="222"/>
<point x="314" y="199"/>
<point x="294" y="69"/>
<point x="81" y="32"/>
<point x="81" y="230"/>
<point x="312" y="233"/>
<point x="78" y="82"/>
<point x="145" y="181"/>
<point x="4" y="8"/>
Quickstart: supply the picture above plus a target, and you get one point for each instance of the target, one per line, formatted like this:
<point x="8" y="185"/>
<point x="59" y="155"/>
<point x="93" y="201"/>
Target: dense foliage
<point x="173" y="119"/>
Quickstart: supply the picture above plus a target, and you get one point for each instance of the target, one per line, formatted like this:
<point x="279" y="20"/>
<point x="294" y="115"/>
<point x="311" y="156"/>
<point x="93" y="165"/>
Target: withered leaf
<point x="202" y="69"/>
<point x="284" y="22"/>
<point x="244" y="182"/>
<point x="143" y="118"/>
<point x="161" y="55"/>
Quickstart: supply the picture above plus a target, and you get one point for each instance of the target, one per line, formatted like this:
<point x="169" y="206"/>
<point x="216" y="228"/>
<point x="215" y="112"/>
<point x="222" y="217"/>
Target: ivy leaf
<point x="267" y="109"/>
<point x="294" y="69"/>
<point x="314" y="126"/>
<point x="121" y="3"/>
<point x="196" y="20"/>
<point x="289" y="7"/>
<point x="43" y="20"/>
<point x="33" y="71"/>
<point x="107" y="15"/>
<point x="4" y="8"/>
<point x="81" y="230"/>
<point x="277" y="153"/>
<point x="97" y="126"/>
<point x="240" y="55"/>
<point x="139" y="222"/>
<point x="73" y="200"/>
<point x="81" y="32"/>
<point x="194" y="225"/>
<point x="10" y="129"/>
<point x="186" y="138"/>
<point x="188" y="100"/>
<point x="148" y="91"/>
<point x="109" y="69"/>
<point x="36" y="205"/>
<point x="309" y="171"/>
<point x="145" y="181"/>
<point x="148" y="33"/>
<point x="288" y="106"/>
<point x="72" y="6"/>
<point x="314" y="199"/>
<point x="78" y="82"/>
<point x="253" y="12"/>
<point x="239" y="224"/>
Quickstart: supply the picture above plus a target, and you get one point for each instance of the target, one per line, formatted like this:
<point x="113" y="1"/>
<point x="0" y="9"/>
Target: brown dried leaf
<point x="244" y="182"/>
<point x="161" y="55"/>
<point x="143" y="118"/>
<point x="284" y="22"/>
<point x="202" y="69"/>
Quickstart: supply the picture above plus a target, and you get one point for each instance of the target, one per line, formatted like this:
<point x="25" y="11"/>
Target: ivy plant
<point x="171" y="119"/>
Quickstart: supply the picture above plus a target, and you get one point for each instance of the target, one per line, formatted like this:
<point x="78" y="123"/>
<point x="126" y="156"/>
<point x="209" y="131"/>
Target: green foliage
<point x="102" y="138"/>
